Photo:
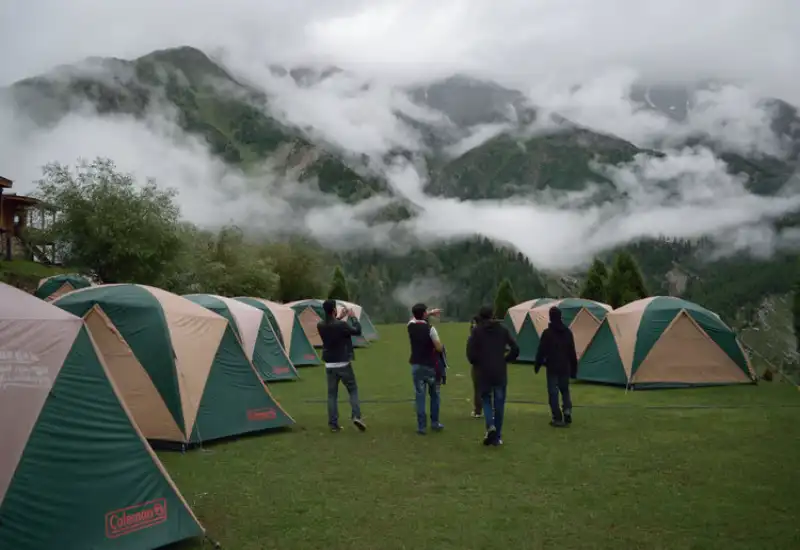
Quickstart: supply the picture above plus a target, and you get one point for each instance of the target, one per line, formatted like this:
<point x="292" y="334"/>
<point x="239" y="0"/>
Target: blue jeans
<point x="423" y="377"/>
<point x="494" y="407"/>
<point x="347" y="377"/>
<point x="558" y="383"/>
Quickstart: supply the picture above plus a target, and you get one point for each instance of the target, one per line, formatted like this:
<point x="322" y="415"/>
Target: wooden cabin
<point x="16" y="213"/>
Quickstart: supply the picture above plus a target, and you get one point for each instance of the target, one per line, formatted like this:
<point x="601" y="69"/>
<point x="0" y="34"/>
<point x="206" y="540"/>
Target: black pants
<point x="558" y="383"/>
<point x="347" y="377"/>
<point x="477" y="401"/>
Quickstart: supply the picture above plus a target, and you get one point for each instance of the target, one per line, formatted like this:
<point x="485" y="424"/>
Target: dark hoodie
<point x="557" y="347"/>
<point x="486" y="349"/>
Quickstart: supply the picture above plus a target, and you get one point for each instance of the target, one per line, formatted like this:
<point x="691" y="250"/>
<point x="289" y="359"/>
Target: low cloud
<point x="685" y="193"/>
<point x="428" y="290"/>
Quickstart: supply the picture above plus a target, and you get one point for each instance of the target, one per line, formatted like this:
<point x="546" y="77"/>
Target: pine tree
<point x="595" y="286"/>
<point x="625" y="284"/>
<point x="504" y="299"/>
<point x="338" y="290"/>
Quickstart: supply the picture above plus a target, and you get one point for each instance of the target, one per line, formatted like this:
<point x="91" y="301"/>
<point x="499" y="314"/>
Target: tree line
<point x="621" y="285"/>
<point x="120" y="232"/>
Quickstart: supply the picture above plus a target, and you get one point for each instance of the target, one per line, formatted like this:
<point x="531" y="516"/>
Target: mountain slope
<point x="233" y="117"/>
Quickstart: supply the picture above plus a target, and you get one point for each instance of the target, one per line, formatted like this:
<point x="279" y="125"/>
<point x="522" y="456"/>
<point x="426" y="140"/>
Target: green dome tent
<point x="288" y="328"/>
<point x="256" y="335"/>
<point x="75" y="472"/>
<point x="310" y="313"/>
<point x="520" y="324"/>
<point x="180" y="367"/>
<point x="53" y="287"/>
<point x="665" y="342"/>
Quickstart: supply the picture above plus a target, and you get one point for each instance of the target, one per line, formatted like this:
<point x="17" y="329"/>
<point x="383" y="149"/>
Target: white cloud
<point x="546" y="47"/>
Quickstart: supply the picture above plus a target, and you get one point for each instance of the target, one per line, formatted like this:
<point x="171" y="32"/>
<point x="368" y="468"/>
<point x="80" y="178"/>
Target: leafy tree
<point x="299" y="266"/>
<point x="338" y="290"/>
<point x="222" y="263"/>
<point x="595" y="286"/>
<point x="504" y="299"/>
<point x="120" y="231"/>
<point x="625" y="284"/>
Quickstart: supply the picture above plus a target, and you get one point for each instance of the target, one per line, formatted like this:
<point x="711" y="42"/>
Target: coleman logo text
<point x="261" y="414"/>
<point x="136" y="517"/>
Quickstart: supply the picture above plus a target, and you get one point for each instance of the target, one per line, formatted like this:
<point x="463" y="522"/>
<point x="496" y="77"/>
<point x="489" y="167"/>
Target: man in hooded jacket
<point x="490" y="348"/>
<point x="557" y="354"/>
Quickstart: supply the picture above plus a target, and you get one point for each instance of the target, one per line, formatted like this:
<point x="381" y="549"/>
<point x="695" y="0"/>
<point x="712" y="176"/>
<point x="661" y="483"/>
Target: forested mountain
<point x="234" y="117"/>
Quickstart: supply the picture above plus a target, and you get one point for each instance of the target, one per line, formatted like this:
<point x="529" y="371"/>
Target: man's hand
<point x="435" y="311"/>
<point x="344" y="312"/>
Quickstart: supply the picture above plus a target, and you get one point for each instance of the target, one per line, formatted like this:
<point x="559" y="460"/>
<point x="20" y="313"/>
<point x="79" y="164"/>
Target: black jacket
<point x="337" y="343"/>
<point x="489" y="348"/>
<point x="557" y="350"/>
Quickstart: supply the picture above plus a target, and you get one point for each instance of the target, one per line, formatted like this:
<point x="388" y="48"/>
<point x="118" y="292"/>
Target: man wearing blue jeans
<point x="425" y="348"/>
<point x="490" y="348"/>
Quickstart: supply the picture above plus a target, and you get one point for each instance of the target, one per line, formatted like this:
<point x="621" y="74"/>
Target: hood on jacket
<point x="556" y="320"/>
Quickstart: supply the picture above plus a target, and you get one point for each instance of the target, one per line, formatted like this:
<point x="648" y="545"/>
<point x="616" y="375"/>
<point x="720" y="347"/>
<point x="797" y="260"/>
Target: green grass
<point x="26" y="275"/>
<point x="625" y="475"/>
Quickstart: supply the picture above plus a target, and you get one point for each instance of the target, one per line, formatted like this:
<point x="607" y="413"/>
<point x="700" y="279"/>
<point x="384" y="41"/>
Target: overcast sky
<point x="544" y="46"/>
<point x="517" y="40"/>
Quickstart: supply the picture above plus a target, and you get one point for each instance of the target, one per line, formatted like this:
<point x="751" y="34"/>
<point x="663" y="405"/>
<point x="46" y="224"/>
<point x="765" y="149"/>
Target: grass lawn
<point x="629" y="473"/>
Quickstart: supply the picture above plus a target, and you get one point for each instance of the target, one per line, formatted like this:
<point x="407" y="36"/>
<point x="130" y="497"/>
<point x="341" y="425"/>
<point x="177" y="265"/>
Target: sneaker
<point x="360" y="424"/>
<point x="421" y="431"/>
<point x="437" y="427"/>
<point x="476" y="414"/>
<point x="336" y="428"/>
<point x="558" y="423"/>
<point x="490" y="437"/>
<point x="497" y="442"/>
<point x="567" y="419"/>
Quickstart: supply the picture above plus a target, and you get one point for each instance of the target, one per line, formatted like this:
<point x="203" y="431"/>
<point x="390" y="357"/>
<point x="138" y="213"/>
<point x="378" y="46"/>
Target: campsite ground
<point x="630" y="473"/>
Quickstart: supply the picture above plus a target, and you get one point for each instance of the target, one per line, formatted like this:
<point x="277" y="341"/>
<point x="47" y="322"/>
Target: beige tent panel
<point x="541" y="318"/>
<point x="686" y="354"/>
<point x="248" y="321"/>
<point x="625" y="326"/>
<point x="308" y="320"/>
<point x="519" y="312"/>
<point x="63" y="289"/>
<point x="637" y="306"/>
<point x="141" y="397"/>
<point x="518" y="317"/>
<point x="32" y="353"/>
<point x="284" y="316"/>
<point x="583" y="326"/>
<point x="196" y="334"/>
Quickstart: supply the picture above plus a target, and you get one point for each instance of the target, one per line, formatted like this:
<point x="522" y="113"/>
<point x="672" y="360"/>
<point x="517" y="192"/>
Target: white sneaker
<point x="473" y="414"/>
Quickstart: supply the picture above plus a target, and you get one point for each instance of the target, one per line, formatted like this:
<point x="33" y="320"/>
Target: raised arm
<point x="437" y="343"/>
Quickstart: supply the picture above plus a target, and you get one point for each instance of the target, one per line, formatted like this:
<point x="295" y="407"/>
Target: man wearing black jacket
<point x="337" y="352"/>
<point x="557" y="354"/>
<point x="490" y="348"/>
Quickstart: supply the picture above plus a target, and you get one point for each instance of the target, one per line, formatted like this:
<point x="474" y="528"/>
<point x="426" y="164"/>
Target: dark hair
<point x="418" y="311"/>
<point x="485" y="313"/>
<point x="329" y="307"/>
